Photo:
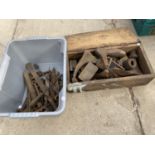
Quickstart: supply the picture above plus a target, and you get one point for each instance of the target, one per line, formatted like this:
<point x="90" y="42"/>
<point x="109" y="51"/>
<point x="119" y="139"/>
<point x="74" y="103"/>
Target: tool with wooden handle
<point x="118" y="53"/>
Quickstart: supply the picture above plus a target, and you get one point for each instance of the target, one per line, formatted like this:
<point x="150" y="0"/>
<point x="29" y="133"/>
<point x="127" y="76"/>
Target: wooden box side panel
<point x="144" y="62"/>
<point x="118" y="82"/>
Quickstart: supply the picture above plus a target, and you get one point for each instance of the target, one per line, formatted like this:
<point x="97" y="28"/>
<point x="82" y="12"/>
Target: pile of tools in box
<point x="42" y="89"/>
<point x="103" y="64"/>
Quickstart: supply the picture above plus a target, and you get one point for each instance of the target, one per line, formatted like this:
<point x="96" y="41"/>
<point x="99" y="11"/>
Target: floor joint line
<point x="136" y="103"/>
<point x="15" y="29"/>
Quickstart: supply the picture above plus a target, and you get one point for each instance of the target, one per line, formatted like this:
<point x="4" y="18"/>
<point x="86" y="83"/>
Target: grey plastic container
<point x="44" y="51"/>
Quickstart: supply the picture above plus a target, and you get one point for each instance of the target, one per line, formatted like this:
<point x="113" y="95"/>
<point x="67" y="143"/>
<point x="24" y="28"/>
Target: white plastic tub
<point x="47" y="53"/>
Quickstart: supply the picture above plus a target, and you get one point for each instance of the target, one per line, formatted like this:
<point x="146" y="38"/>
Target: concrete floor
<point x="99" y="112"/>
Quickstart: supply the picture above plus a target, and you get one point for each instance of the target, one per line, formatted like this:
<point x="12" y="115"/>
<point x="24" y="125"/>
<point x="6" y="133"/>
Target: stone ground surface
<point x="99" y="112"/>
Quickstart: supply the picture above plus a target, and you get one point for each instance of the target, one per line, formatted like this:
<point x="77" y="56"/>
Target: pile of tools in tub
<point x="42" y="89"/>
<point x="104" y="64"/>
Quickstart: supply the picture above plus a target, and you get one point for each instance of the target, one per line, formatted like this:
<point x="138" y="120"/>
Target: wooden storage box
<point x="109" y="39"/>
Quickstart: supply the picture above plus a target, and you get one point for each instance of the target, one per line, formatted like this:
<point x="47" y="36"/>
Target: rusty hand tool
<point x="40" y="86"/>
<point x="31" y="91"/>
<point x="86" y="57"/>
<point x="33" y="102"/>
<point x="122" y="60"/>
<point x="116" y="65"/>
<point x="36" y="88"/>
<point x="88" y="72"/>
<point x="40" y="83"/>
<point x="105" y="73"/>
<point x="32" y="88"/>
<point x="72" y="65"/>
<point x="110" y="60"/>
<point x="120" y="72"/>
<point x="104" y="64"/>
<point x="103" y="56"/>
<point x="54" y="84"/>
<point x="133" y="54"/>
<point x="99" y="63"/>
<point x="118" y="53"/>
<point x="130" y="63"/>
<point x="29" y="84"/>
<point x="42" y="109"/>
<point x="31" y="68"/>
<point x="103" y="53"/>
<point x="104" y="60"/>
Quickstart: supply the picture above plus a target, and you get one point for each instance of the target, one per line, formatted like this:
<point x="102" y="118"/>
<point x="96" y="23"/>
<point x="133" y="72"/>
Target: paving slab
<point x="120" y="23"/>
<point x="146" y="94"/>
<point x="98" y="112"/>
<point x="27" y="28"/>
<point x="7" y="27"/>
